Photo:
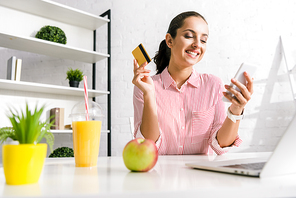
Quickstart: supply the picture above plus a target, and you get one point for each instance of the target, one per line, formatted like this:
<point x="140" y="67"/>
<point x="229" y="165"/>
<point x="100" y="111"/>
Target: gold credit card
<point x="141" y="55"/>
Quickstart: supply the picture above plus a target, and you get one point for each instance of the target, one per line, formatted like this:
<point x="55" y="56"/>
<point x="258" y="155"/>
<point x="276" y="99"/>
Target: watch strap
<point x="232" y="117"/>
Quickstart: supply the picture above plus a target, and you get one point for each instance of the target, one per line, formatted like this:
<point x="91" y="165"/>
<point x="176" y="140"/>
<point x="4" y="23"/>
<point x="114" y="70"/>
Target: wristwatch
<point x="232" y="117"/>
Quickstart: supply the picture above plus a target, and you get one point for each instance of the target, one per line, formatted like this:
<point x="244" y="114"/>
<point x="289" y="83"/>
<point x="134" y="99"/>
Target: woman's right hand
<point x="142" y="78"/>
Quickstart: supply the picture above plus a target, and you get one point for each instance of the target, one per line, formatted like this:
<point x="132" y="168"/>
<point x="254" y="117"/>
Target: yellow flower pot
<point x="23" y="163"/>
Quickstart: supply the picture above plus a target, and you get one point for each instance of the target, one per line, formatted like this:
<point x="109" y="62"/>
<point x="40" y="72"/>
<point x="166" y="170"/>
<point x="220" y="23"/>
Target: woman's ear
<point x="169" y="40"/>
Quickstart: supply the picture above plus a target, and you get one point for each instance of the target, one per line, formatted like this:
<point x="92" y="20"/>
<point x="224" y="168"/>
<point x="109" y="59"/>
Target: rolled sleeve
<point x="218" y="149"/>
<point x="138" y="134"/>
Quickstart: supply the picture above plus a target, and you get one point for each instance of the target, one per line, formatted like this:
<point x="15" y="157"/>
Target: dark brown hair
<point x="163" y="55"/>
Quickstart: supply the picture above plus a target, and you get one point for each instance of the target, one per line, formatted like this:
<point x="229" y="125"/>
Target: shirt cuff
<point x="218" y="149"/>
<point x="140" y="135"/>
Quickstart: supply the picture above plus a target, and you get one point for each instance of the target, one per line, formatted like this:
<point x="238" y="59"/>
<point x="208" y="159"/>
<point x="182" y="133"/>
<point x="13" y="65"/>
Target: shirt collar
<point x="194" y="79"/>
<point x="168" y="80"/>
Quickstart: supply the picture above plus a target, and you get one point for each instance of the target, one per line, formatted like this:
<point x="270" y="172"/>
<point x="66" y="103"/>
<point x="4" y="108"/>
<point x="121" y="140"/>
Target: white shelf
<point x="49" y="89"/>
<point x="70" y="131"/>
<point x="57" y="12"/>
<point x="18" y="39"/>
<point x="39" y="46"/>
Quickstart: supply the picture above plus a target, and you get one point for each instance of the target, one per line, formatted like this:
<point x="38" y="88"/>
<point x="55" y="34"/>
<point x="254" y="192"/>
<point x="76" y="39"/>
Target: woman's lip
<point x="196" y="53"/>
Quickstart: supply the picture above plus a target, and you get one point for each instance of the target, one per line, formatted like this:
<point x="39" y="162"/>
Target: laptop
<point x="282" y="160"/>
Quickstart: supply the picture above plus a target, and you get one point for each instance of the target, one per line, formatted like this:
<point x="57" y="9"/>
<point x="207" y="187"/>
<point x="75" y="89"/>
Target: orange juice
<point x="86" y="141"/>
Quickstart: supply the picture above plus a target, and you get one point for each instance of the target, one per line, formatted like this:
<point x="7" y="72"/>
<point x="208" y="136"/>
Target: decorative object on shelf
<point x="62" y="152"/>
<point x="52" y="33"/>
<point x="11" y="63"/>
<point x="57" y="118"/>
<point x="74" y="77"/>
<point x="18" y="69"/>
<point x="23" y="163"/>
<point x="14" y="67"/>
<point x="68" y="127"/>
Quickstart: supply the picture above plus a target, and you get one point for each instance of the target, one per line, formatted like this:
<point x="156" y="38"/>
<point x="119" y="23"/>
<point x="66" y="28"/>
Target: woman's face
<point x="189" y="45"/>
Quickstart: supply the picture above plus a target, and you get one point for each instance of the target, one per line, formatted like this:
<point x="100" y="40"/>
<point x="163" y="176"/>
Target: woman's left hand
<point x="240" y="99"/>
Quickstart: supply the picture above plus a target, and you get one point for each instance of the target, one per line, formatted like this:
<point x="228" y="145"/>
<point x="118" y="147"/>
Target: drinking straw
<point x="86" y="97"/>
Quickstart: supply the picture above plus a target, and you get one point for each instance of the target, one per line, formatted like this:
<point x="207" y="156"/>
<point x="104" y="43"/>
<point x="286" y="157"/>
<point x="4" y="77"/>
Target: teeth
<point x="192" y="53"/>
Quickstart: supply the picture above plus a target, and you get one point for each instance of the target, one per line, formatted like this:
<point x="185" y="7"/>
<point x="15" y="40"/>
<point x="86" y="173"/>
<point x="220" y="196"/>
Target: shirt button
<point x="182" y="109"/>
<point x="182" y="127"/>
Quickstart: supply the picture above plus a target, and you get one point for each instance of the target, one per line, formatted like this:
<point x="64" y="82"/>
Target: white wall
<point x="240" y="31"/>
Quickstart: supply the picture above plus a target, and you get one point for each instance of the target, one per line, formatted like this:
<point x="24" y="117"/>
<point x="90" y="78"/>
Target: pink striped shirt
<point x="189" y="118"/>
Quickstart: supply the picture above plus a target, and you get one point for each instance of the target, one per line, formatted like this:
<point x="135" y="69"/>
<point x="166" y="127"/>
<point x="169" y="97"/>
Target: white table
<point x="169" y="178"/>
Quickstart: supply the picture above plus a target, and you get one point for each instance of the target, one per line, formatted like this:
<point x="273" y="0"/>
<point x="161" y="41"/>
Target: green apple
<point x="140" y="155"/>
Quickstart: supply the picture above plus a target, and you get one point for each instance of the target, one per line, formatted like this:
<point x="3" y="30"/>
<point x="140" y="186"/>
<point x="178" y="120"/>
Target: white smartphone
<point x="239" y="76"/>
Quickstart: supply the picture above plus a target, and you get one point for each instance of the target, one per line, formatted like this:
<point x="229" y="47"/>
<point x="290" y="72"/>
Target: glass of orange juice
<point x="86" y="133"/>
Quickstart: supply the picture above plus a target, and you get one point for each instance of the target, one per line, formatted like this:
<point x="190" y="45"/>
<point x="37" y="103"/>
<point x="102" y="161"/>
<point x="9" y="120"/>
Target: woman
<point x="180" y="109"/>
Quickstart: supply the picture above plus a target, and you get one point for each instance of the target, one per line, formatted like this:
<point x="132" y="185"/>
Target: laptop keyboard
<point x="249" y="166"/>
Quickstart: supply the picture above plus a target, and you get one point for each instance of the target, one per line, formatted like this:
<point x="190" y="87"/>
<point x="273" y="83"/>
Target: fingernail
<point x="226" y="86"/>
<point x="233" y="80"/>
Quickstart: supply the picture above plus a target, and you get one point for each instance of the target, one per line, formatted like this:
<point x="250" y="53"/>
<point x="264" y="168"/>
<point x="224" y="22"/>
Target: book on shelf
<point x="11" y="63"/>
<point x="18" y="69"/>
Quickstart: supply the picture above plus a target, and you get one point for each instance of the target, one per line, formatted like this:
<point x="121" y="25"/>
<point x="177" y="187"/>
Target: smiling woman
<point x="180" y="109"/>
<point x="163" y="55"/>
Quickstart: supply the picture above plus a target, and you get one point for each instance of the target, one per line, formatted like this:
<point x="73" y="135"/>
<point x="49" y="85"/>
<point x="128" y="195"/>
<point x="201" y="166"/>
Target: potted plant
<point x="74" y="77"/>
<point x="23" y="162"/>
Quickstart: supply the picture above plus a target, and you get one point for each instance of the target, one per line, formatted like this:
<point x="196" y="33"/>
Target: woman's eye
<point x="203" y="41"/>
<point x="188" y="36"/>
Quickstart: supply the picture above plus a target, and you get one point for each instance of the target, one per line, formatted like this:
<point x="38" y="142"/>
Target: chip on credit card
<point x="141" y="55"/>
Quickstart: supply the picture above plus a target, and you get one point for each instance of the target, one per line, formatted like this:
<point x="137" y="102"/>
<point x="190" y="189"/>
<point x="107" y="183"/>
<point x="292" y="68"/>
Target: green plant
<point x="62" y="152"/>
<point x="74" y="75"/>
<point x="5" y="133"/>
<point x="52" y="33"/>
<point x="27" y="127"/>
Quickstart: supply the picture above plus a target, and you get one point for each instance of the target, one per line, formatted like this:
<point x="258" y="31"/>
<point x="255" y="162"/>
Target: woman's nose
<point x="196" y="44"/>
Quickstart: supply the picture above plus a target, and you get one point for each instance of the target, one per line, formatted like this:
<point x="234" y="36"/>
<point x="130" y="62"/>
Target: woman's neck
<point x="180" y="75"/>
